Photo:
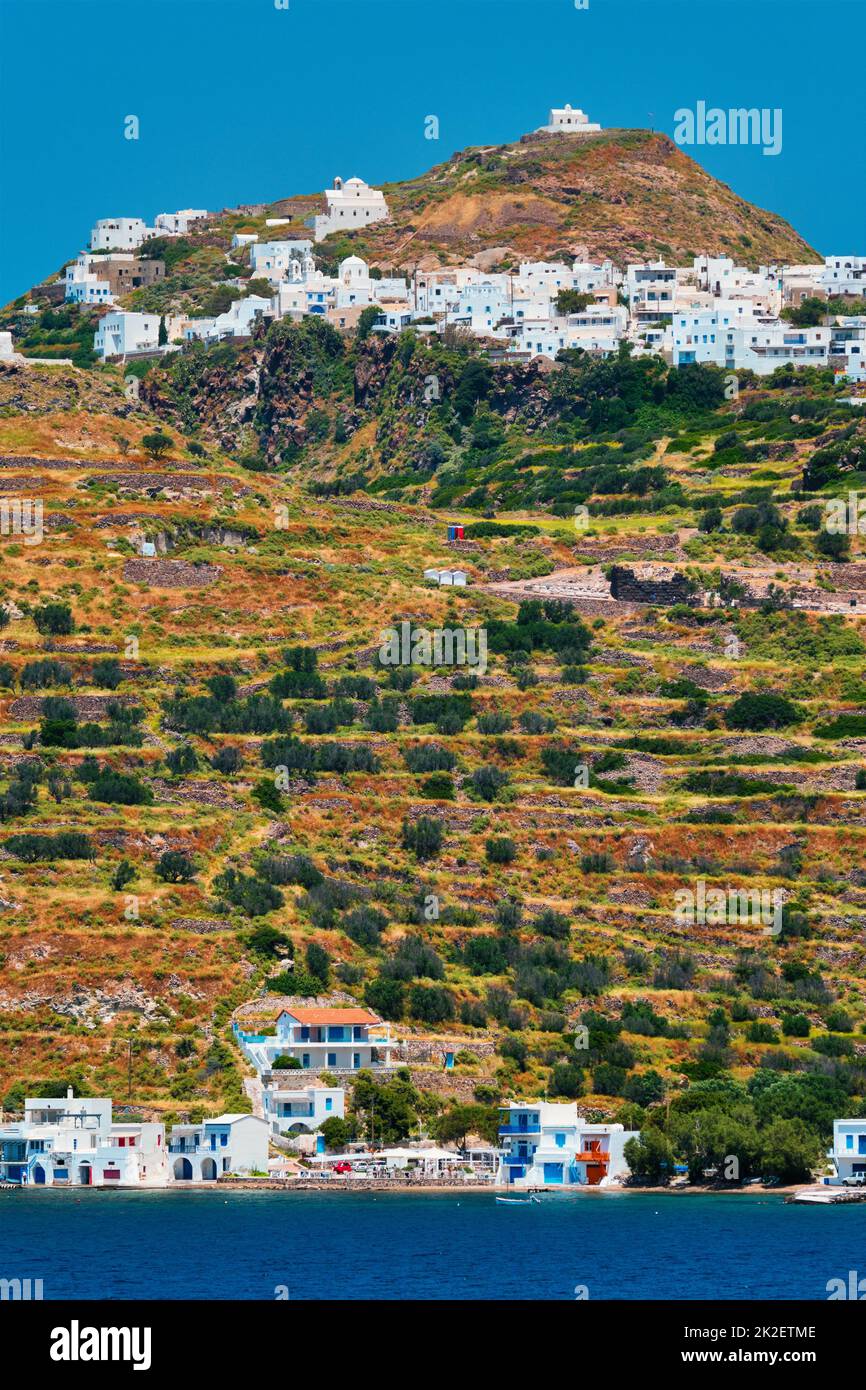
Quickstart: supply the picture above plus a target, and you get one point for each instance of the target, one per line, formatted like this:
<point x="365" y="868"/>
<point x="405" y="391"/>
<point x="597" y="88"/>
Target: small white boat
<point x="518" y="1201"/>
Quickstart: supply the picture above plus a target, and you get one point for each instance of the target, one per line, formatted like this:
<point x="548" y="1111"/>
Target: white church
<point x="568" y="121"/>
<point x="349" y="205"/>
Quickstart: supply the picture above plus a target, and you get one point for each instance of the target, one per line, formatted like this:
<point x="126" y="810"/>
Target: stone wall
<point x="664" y="589"/>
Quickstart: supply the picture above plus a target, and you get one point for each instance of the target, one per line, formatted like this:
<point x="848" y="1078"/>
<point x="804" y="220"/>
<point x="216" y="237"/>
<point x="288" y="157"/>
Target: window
<point x="329" y="1103"/>
<point x="332" y="1059"/>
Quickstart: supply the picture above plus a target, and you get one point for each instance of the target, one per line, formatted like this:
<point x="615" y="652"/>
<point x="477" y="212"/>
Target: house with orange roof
<point x="336" y="1038"/>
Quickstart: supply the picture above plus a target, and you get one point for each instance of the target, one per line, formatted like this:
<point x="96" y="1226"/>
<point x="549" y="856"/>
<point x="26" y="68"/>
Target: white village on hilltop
<point x="711" y="311"/>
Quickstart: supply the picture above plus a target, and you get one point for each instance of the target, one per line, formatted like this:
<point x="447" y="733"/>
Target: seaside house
<point x="849" y="1148"/>
<point x="349" y="206"/>
<point x="299" y="1110"/>
<point x="225" y="1144"/>
<point x="73" y="1142"/>
<point x="547" y="1144"/>
<point x="336" y="1039"/>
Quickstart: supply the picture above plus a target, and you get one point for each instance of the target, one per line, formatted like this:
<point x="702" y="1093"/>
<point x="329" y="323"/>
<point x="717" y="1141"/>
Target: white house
<point x="177" y="223"/>
<point x="299" y="1110"/>
<point x="651" y="290"/>
<point x="349" y="206"/>
<point x="849" y="1148"/>
<point x="236" y="322"/>
<point x="244" y="238"/>
<point x="119" y="332"/>
<point x="544" y="1144"/>
<point x="83" y="284"/>
<point x="73" y="1142"/>
<point x="844" y="276"/>
<point x="275" y="258"/>
<point x="226" y="1144"/>
<point x="570" y="121"/>
<point x="119" y="234"/>
<point x="335" y="1039"/>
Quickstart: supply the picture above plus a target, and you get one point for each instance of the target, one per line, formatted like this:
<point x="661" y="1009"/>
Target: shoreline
<point x="426" y="1189"/>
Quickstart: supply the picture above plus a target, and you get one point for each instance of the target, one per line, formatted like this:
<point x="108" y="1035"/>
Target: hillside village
<point x="391" y="638"/>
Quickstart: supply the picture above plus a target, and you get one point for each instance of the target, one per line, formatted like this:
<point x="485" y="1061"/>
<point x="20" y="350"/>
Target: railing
<point x="520" y="1129"/>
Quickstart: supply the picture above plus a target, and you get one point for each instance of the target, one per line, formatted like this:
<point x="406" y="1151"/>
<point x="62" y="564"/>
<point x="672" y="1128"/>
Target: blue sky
<point x="241" y="101"/>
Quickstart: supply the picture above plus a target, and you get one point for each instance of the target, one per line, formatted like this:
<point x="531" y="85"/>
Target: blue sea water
<point x="204" y="1245"/>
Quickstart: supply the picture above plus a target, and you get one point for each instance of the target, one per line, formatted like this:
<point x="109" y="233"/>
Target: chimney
<point x="69" y="1093"/>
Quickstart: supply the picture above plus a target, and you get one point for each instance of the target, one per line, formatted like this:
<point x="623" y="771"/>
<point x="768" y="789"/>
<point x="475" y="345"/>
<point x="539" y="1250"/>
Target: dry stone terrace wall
<point x="171" y="574"/>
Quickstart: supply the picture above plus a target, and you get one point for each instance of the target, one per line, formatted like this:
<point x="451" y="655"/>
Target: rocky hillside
<point x="623" y="194"/>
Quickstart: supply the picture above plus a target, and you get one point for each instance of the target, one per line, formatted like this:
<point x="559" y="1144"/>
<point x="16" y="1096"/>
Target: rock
<point x="639" y="854"/>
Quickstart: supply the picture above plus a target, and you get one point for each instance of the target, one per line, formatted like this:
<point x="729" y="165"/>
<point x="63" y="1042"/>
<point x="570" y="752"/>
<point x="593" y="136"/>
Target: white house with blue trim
<point x="68" y="1141"/>
<point x="849" y="1148"/>
<point x="336" y="1039"/>
<point x="547" y="1144"/>
<point x="226" y="1144"/>
<point x="300" y="1110"/>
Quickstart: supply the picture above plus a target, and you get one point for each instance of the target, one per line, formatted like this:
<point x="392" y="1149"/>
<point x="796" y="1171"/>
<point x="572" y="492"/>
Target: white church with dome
<point x="349" y="205"/>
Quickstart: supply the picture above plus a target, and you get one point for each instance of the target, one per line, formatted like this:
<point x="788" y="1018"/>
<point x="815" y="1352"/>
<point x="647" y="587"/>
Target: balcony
<point x="591" y="1156"/>
<point x="520" y="1129"/>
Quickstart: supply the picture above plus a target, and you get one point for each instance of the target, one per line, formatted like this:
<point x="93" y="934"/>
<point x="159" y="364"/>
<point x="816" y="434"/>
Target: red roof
<point x="315" y="1016"/>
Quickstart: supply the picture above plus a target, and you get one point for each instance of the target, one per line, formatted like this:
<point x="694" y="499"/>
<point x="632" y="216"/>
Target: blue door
<point x="553" y="1172"/>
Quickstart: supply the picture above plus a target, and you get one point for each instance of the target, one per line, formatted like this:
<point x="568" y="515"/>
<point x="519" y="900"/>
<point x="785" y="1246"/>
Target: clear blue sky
<point x="240" y="101"/>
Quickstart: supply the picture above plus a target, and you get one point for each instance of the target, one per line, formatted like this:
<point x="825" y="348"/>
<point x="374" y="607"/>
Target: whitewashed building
<point x="72" y="1141"/>
<point x="83" y="283"/>
<point x="275" y="258"/>
<point x="849" y="1148"/>
<point x="844" y="277"/>
<point x="349" y="206"/>
<point x="321" y="1038"/>
<point x="203" y="1152"/>
<point x="299" y="1110"/>
<point x="120" y="332"/>
<point x="236" y="322"/>
<point x="569" y="121"/>
<point x="119" y="234"/>
<point x="177" y="223"/>
<point x="547" y="1144"/>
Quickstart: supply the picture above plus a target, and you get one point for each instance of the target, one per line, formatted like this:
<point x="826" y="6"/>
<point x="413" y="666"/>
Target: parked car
<point x="342" y="1167"/>
<point x="855" y="1180"/>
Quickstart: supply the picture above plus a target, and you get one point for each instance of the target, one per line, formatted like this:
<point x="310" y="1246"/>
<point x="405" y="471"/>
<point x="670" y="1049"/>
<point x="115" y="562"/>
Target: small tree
<point x="156" y="445"/>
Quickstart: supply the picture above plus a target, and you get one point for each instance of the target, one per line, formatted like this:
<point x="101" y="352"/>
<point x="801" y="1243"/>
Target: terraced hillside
<point x="215" y="793"/>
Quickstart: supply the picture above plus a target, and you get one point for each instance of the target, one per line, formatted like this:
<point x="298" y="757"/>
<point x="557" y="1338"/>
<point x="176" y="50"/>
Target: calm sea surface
<point x="392" y="1246"/>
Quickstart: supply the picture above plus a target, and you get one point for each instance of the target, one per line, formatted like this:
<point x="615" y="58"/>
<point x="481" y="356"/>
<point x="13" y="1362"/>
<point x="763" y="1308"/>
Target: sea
<point x="449" y="1245"/>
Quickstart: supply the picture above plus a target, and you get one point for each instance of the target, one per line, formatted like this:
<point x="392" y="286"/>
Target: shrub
<point x="500" y="849"/>
<point x="227" y="760"/>
<point x="119" y="789"/>
<point x="69" y="844"/>
<point x="54" y="620"/>
<point x="423" y="837"/>
<point x="761" y="710"/>
<point x="175" y="867"/>
<point x="431" y="1003"/>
